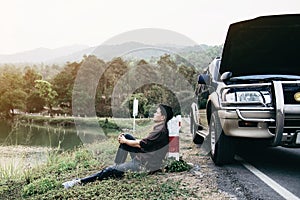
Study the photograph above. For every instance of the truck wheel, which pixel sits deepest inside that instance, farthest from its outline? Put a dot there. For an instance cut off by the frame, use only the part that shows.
(222, 146)
(197, 139)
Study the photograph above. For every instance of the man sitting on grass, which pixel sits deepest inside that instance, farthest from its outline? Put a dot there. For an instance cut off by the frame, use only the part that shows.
(146, 153)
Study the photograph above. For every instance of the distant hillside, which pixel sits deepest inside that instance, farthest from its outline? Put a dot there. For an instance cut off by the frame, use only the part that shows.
(41, 54)
(201, 55)
(198, 55)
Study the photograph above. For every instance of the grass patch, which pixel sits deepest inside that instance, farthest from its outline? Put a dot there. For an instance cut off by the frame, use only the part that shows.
(39, 186)
(9, 171)
(173, 165)
(45, 181)
(137, 187)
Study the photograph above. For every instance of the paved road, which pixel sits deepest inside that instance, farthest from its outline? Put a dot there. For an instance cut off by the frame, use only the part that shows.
(279, 165)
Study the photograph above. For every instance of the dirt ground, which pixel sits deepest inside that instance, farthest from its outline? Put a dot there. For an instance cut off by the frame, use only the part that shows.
(202, 178)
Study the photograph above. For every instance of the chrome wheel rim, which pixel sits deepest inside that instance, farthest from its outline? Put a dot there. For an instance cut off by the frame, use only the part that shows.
(212, 137)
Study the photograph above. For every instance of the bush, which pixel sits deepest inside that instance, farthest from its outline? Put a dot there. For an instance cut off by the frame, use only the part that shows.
(40, 186)
(172, 165)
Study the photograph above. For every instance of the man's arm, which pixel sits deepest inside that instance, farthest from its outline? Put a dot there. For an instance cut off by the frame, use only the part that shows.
(132, 143)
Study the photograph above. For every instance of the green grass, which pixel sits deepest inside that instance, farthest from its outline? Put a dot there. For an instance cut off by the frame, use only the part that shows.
(137, 187)
(45, 181)
(9, 171)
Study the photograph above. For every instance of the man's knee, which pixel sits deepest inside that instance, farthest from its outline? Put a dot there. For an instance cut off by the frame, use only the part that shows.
(112, 172)
(129, 136)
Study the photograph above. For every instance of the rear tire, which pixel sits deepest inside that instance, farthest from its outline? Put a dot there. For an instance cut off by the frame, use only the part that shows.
(197, 139)
(222, 146)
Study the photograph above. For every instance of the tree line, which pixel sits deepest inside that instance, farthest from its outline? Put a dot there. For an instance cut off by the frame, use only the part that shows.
(28, 90)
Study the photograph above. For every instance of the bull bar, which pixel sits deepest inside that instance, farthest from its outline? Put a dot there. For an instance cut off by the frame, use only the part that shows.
(281, 109)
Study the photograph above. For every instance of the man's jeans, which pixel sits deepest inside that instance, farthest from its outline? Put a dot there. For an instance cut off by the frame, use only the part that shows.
(124, 149)
(117, 170)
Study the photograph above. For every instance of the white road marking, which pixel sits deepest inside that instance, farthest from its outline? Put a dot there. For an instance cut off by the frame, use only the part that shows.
(270, 182)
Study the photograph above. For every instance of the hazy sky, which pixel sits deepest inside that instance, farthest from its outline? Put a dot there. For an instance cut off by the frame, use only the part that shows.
(29, 24)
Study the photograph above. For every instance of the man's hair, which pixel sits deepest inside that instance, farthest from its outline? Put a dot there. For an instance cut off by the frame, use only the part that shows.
(166, 111)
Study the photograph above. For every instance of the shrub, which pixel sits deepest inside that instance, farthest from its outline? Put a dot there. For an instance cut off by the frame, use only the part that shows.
(39, 186)
(172, 165)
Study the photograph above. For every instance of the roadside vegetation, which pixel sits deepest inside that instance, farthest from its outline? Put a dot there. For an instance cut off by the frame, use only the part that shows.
(177, 180)
(45, 181)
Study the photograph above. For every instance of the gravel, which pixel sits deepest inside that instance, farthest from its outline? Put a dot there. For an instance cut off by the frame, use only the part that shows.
(205, 179)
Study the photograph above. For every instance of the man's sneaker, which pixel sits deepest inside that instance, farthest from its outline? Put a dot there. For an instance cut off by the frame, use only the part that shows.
(71, 183)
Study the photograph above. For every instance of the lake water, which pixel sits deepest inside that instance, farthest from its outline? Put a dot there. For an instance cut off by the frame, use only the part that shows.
(39, 136)
(28, 145)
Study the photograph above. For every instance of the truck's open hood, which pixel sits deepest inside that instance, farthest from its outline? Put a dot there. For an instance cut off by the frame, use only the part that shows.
(264, 45)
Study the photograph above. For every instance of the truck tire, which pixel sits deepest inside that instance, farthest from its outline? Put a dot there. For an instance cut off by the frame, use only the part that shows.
(197, 139)
(222, 146)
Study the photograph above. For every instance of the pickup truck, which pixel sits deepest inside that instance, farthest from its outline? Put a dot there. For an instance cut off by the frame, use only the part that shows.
(251, 92)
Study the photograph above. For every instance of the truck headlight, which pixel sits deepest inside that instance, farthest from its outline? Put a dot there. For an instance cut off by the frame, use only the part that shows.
(248, 97)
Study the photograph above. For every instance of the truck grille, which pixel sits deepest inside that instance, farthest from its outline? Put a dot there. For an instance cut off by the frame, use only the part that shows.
(290, 126)
(289, 91)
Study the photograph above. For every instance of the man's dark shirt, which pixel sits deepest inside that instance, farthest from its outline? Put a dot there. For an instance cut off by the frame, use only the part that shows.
(155, 147)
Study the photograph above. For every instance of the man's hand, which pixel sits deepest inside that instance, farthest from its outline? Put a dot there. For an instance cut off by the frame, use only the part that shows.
(122, 139)
(132, 143)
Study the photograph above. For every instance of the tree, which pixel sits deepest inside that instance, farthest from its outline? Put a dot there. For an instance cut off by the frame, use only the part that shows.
(46, 92)
(189, 73)
(114, 70)
(85, 86)
(63, 83)
(12, 93)
(11, 100)
(30, 76)
(34, 103)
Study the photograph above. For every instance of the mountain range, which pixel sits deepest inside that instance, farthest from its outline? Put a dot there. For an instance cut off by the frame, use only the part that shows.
(106, 52)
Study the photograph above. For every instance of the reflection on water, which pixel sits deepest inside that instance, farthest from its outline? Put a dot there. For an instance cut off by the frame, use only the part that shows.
(26, 145)
(35, 135)
(65, 138)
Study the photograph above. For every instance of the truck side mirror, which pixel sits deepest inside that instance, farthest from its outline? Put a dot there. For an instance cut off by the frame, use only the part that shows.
(225, 76)
(203, 79)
